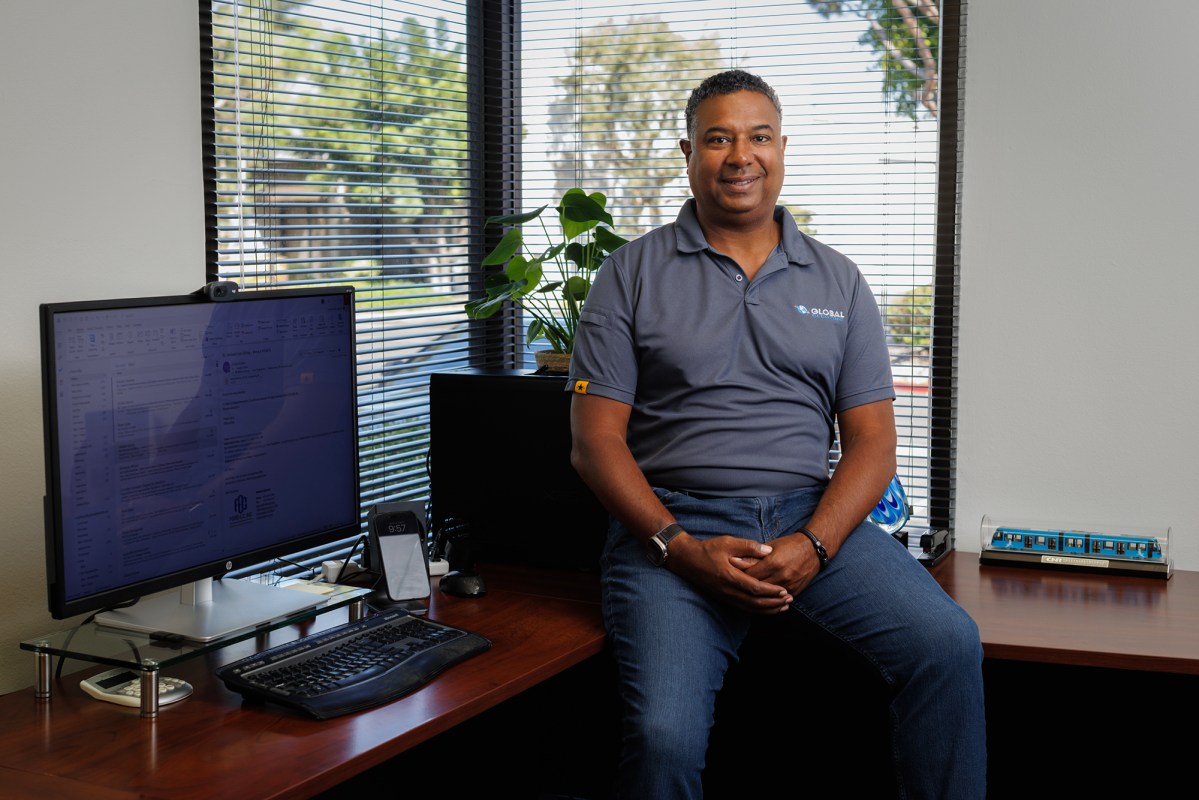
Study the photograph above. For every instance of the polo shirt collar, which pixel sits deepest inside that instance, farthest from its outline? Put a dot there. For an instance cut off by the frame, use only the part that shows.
(689, 238)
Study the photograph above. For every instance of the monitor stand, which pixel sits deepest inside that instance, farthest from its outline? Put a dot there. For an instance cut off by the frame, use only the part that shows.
(207, 610)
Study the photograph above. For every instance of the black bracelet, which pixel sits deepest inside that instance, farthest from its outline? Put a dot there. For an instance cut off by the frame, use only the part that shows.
(821, 553)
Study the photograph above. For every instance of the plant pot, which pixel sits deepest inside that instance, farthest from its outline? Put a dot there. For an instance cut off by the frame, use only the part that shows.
(550, 361)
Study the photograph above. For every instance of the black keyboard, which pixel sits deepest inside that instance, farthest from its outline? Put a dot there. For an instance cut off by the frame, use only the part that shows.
(354, 666)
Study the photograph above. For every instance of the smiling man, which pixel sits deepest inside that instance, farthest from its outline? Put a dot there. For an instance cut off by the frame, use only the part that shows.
(713, 358)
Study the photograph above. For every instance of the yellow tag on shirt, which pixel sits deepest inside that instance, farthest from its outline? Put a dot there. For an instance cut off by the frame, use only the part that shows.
(581, 387)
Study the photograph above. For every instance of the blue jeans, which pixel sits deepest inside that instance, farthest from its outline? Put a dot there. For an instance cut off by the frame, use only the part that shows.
(673, 645)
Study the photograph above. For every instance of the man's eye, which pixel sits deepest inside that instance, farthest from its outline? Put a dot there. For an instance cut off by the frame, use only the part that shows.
(718, 139)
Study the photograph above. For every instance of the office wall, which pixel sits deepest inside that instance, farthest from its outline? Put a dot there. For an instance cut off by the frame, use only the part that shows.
(100, 195)
(1078, 349)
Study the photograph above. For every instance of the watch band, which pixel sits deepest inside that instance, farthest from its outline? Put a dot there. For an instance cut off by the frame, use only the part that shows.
(821, 553)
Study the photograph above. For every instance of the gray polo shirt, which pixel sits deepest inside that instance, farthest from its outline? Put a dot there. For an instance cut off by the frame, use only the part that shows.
(733, 383)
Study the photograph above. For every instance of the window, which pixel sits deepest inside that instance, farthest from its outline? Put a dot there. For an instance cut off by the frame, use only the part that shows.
(336, 150)
(365, 141)
(869, 99)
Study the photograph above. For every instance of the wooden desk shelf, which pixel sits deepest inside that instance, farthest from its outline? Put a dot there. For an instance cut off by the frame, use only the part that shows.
(1079, 619)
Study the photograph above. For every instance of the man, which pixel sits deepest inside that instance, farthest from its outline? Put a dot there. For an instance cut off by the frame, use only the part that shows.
(713, 356)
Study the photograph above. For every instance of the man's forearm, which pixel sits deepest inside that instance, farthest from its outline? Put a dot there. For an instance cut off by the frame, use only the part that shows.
(602, 458)
(866, 467)
(852, 493)
(617, 482)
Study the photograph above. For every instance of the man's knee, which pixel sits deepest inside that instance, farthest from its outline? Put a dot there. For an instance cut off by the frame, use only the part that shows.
(950, 640)
(958, 626)
(667, 739)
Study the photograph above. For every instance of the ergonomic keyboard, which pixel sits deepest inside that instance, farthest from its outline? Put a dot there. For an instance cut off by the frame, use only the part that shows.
(354, 666)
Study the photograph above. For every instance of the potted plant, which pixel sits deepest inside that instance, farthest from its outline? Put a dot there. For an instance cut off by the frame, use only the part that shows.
(551, 287)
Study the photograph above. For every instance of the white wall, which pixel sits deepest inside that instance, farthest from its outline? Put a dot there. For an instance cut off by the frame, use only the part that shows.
(100, 196)
(1079, 376)
(1078, 379)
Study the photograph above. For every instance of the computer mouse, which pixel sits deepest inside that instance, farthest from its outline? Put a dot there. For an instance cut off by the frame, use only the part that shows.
(463, 584)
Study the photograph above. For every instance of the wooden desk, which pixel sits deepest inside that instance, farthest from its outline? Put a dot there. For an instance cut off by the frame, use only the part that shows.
(211, 745)
(1079, 619)
(1080, 664)
(541, 624)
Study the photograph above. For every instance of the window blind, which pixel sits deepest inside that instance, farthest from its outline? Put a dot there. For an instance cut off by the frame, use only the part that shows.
(343, 145)
(336, 145)
(604, 88)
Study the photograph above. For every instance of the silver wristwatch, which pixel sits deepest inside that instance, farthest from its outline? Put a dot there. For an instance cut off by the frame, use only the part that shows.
(655, 546)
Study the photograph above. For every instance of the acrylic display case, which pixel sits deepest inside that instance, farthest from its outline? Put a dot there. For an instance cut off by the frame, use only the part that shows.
(1090, 548)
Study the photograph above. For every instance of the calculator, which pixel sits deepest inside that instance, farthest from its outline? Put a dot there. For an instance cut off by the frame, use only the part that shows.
(124, 687)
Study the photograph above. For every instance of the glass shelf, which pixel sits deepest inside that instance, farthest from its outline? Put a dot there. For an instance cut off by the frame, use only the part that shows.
(138, 652)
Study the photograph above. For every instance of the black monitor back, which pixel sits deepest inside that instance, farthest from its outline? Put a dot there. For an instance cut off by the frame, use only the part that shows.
(500, 470)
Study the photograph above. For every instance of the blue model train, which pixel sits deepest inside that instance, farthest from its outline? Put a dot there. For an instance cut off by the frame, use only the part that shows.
(1096, 545)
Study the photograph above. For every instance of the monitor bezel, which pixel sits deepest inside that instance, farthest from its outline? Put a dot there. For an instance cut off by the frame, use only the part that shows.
(62, 607)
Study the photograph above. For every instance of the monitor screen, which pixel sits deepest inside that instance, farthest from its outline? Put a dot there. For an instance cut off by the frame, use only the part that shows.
(187, 437)
(500, 472)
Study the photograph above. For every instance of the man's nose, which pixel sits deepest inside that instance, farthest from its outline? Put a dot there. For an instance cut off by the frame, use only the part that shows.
(740, 154)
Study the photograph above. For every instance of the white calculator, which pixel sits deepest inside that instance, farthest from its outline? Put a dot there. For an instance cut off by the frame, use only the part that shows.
(124, 687)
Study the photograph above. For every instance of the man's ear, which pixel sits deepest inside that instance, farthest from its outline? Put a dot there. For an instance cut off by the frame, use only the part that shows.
(685, 146)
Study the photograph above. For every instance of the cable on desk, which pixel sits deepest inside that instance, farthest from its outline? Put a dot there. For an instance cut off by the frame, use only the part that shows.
(73, 631)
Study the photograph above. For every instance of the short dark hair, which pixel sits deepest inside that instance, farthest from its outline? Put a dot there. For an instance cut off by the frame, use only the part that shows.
(733, 80)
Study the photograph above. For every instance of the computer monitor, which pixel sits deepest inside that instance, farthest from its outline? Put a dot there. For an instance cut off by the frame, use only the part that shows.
(187, 437)
(500, 472)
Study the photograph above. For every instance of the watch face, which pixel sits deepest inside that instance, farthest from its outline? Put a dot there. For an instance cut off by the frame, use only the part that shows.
(656, 551)
(656, 546)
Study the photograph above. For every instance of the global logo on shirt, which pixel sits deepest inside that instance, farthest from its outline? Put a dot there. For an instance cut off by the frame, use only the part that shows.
(822, 313)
